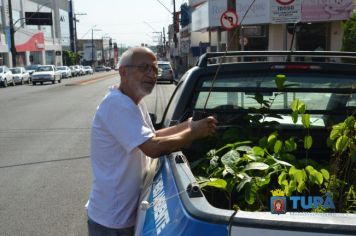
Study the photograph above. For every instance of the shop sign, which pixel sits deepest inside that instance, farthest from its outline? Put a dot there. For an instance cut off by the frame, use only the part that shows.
(259, 12)
(207, 15)
(326, 10)
(285, 11)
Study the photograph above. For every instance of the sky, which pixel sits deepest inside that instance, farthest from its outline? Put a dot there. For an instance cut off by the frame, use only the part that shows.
(127, 22)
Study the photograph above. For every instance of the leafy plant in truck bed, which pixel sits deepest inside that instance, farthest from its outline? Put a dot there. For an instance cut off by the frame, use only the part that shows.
(240, 174)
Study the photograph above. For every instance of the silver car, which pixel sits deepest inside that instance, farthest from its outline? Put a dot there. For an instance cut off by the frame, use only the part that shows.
(167, 73)
(20, 75)
(46, 73)
(6, 76)
(65, 71)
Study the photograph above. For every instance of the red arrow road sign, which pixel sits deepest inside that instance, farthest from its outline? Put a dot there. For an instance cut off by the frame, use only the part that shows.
(229, 19)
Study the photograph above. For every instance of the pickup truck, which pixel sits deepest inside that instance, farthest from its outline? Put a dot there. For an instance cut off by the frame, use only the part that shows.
(270, 169)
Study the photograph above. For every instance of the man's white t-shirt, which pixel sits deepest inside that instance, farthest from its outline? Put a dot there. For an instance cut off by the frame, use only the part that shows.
(118, 165)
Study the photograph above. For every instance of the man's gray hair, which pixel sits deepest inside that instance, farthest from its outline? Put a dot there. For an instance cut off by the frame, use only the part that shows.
(127, 57)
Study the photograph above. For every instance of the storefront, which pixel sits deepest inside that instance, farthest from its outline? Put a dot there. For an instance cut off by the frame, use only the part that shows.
(266, 25)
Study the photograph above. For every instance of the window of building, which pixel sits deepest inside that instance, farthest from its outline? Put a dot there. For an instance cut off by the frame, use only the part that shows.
(316, 35)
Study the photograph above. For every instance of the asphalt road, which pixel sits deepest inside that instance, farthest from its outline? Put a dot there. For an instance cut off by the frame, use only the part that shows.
(45, 170)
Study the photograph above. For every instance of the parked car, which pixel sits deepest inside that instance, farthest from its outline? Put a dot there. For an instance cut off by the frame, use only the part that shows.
(65, 71)
(167, 74)
(73, 71)
(6, 76)
(88, 70)
(100, 68)
(20, 75)
(268, 109)
(81, 68)
(31, 68)
(78, 70)
(46, 73)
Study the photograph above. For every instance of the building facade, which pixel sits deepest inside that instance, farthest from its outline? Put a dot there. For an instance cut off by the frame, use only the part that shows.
(97, 51)
(265, 25)
(35, 44)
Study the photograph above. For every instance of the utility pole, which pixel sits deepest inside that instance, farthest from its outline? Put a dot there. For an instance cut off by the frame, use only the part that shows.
(71, 27)
(92, 47)
(164, 43)
(75, 28)
(92, 44)
(175, 24)
(12, 36)
(232, 43)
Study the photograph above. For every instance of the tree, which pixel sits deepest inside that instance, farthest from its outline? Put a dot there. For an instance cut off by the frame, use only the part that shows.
(349, 39)
(70, 58)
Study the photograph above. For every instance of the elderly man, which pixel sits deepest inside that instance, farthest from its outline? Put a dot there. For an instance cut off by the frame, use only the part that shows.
(122, 142)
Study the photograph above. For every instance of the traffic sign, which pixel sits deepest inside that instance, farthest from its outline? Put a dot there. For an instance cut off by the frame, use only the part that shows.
(229, 20)
(285, 2)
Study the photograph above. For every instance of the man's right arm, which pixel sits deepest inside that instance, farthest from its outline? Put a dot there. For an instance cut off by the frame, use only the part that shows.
(170, 142)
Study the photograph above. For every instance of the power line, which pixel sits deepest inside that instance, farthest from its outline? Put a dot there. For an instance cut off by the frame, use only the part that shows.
(164, 6)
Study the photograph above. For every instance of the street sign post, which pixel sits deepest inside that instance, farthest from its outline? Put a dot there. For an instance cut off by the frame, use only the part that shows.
(229, 20)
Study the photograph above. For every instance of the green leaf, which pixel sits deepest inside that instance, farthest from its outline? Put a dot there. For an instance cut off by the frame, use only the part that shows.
(258, 151)
(292, 185)
(294, 105)
(230, 160)
(250, 193)
(282, 176)
(301, 108)
(244, 148)
(214, 162)
(272, 139)
(279, 80)
(337, 131)
(314, 176)
(342, 143)
(325, 174)
(259, 98)
(262, 181)
(350, 121)
(294, 117)
(301, 186)
(306, 120)
(217, 183)
(252, 157)
(263, 142)
(283, 163)
(277, 146)
(242, 183)
(308, 142)
(290, 145)
(256, 166)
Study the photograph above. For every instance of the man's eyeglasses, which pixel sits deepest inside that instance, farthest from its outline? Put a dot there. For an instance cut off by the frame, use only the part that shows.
(146, 68)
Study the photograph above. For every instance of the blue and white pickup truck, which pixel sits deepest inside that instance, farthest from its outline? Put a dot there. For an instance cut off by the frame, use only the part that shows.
(186, 193)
